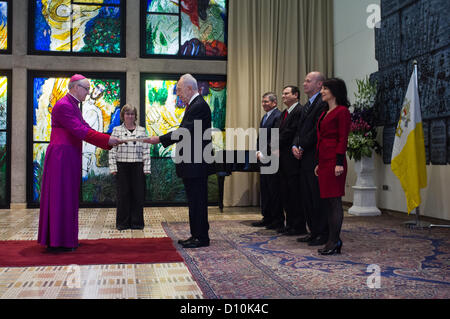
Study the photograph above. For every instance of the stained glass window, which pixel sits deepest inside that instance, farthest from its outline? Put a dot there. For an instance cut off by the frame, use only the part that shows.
(194, 28)
(4, 140)
(5, 26)
(101, 110)
(89, 27)
(163, 113)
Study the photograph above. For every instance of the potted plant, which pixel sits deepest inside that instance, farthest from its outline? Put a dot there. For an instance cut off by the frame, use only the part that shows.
(361, 145)
(362, 138)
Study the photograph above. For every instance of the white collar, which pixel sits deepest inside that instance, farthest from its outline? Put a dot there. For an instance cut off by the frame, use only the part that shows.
(292, 107)
(74, 97)
(193, 97)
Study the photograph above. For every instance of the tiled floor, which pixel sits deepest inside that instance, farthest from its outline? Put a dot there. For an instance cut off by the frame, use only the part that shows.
(156, 281)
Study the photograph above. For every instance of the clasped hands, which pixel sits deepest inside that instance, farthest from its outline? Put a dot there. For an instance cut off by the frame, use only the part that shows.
(298, 153)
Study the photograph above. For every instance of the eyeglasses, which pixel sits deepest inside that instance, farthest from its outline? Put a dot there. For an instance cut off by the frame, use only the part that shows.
(86, 88)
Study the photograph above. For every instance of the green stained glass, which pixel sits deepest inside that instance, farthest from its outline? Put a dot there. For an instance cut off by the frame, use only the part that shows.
(162, 6)
(162, 32)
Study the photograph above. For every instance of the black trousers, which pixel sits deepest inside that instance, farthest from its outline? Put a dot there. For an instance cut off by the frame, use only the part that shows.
(130, 195)
(315, 208)
(271, 205)
(197, 196)
(290, 191)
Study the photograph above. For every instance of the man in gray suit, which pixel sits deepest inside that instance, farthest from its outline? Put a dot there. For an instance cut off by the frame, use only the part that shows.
(271, 207)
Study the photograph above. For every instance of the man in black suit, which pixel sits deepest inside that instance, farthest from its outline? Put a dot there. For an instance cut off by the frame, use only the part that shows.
(190, 162)
(289, 165)
(304, 149)
(271, 207)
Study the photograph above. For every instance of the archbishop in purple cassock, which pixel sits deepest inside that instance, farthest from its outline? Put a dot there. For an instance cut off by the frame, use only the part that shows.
(58, 219)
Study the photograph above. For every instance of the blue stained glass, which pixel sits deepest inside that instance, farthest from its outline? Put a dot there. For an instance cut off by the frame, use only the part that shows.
(37, 89)
(42, 30)
(3, 13)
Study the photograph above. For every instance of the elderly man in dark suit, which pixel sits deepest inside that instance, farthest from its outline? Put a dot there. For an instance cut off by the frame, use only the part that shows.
(289, 165)
(190, 162)
(271, 207)
(304, 149)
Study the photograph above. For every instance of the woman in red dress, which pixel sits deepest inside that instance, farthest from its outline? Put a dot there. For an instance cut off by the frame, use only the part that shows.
(333, 128)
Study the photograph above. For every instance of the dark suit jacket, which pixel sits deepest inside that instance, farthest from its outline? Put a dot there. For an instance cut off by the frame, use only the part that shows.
(270, 123)
(197, 110)
(288, 127)
(306, 135)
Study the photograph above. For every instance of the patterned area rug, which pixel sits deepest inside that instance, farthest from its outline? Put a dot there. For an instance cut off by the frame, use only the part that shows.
(247, 262)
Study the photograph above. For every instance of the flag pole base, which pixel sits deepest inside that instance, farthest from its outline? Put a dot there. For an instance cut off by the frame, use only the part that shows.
(416, 224)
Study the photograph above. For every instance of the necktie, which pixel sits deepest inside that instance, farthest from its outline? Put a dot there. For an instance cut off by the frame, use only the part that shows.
(285, 115)
(264, 120)
(307, 106)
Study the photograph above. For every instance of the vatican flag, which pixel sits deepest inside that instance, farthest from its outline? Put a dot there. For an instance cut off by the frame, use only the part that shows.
(408, 155)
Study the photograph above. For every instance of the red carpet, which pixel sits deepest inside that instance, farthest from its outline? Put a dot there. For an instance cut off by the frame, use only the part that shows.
(91, 252)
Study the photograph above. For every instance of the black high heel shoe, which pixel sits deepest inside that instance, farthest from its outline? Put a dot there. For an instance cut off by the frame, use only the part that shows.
(335, 250)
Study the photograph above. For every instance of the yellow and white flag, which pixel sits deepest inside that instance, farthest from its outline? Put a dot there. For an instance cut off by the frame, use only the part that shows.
(408, 155)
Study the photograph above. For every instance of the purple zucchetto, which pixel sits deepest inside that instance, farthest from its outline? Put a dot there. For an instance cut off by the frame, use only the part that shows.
(77, 77)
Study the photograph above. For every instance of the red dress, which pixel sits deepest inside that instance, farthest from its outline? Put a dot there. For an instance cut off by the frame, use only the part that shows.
(332, 137)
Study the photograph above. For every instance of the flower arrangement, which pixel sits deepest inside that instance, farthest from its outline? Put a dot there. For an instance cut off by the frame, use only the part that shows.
(362, 138)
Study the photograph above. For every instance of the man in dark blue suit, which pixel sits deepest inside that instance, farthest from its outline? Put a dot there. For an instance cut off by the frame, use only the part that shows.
(304, 149)
(190, 162)
(271, 207)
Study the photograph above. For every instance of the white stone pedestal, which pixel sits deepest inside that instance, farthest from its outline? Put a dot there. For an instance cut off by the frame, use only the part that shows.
(364, 192)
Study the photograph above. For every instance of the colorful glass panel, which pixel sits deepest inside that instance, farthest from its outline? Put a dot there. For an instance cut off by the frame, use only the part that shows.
(202, 32)
(162, 34)
(3, 25)
(164, 111)
(72, 26)
(101, 110)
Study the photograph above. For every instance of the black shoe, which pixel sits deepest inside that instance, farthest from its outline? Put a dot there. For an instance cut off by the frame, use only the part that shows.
(182, 242)
(318, 241)
(282, 230)
(196, 243)
(120, 228)
(333, 250)
(261, 223)
(137, 227)
(308, 238)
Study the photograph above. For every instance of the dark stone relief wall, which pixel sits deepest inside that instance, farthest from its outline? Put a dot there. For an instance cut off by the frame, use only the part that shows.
(415, 30)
